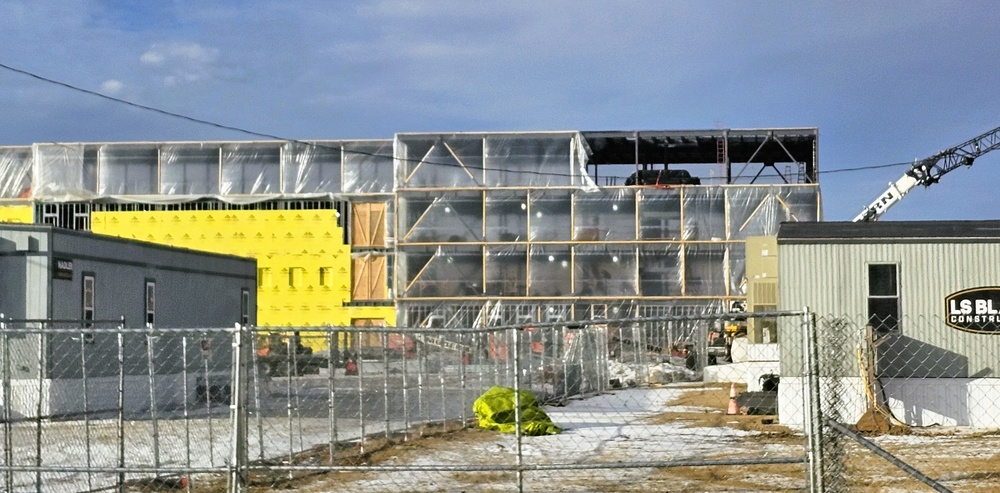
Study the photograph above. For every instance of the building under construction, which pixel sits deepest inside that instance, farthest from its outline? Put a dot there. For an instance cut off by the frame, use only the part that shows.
(445, 229)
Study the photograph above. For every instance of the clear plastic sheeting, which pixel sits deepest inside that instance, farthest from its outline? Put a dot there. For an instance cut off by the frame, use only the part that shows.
(705, 269)
(586, 244)
(454, 161)
(368, 166)
(189, 169)
(15, 173)
(311, 168)
(704, 213)
(549, 216)
(605, 270)
(178, 172)
(605, 215)
(551, 271)
(455, 218)
(64, 172)
(251, 169)
(506, 216)
(492, 160)
(737, 255)
(507, 270)
(445, 271)
(758, 210)
(534, 161)
(660, 272)
(660, 214)
(128, 170)
(613, 270)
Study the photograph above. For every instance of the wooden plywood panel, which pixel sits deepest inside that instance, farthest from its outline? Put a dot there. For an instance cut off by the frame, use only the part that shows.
(369, 278)
(368, 224)
(360, 287)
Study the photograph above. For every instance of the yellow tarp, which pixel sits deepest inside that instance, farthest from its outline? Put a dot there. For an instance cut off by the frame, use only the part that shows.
(495, 410)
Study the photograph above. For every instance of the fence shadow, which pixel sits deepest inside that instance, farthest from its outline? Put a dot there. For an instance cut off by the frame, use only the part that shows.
(913, 373)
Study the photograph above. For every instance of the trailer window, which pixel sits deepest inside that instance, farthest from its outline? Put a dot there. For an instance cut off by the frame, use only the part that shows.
(88, 298)
(150, 302)
(245, 307)
(883, 297)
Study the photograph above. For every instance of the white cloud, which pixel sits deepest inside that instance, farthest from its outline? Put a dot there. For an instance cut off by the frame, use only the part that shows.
(179, 52)
(180, 62)
(112, 86)
(151, 58)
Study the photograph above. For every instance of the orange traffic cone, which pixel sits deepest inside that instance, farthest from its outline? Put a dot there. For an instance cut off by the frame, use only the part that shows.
(733, 408)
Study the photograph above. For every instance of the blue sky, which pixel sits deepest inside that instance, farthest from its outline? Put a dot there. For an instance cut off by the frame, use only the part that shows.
(884, 82)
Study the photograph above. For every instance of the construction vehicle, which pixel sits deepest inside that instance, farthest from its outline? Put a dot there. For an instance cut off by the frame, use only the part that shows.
(720, 341)
(929, 170)
(662, 178)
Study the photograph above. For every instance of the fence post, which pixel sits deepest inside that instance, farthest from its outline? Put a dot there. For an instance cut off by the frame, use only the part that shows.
(517, 408)
(39, 408)
(151, 366)
(466, 353)
(813, 415)
(239, 461)
(406, 385)
(331, 366)
(86, 408)
(206, 354)
(121, 405)
(255, 369)
(187, 398)
(8, 442)
(385, 383)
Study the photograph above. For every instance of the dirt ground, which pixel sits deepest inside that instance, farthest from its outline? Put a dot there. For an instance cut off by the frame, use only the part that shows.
(962, 460)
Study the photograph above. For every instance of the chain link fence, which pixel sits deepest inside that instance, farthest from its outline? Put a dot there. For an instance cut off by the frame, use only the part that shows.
(92, 406)
(909, 404)
(390, 410)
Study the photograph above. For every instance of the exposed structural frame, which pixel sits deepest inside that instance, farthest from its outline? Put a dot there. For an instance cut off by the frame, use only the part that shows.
(752, 151)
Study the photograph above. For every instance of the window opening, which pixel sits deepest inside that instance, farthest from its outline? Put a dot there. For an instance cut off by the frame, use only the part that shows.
(245, 307)
(883, 298)
(88, 298)
(150, 303)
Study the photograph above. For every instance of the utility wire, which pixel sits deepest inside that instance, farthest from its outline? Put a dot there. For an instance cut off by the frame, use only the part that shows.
(323, 146)
(243, 130)
(863, 168)
(137, 105)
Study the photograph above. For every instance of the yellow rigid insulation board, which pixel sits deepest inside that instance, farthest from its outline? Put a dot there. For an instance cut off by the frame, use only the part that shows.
(303, 266)
(24, 214)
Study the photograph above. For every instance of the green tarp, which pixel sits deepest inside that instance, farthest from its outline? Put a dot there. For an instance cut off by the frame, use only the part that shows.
(495, 410)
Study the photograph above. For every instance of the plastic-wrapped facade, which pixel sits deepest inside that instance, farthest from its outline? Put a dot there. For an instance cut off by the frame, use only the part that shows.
(477, 228)
(541, 220)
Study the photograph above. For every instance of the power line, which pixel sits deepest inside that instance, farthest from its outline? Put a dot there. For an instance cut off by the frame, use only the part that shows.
(243, 130)
(323, 146)
(137, 105)
(863, 168)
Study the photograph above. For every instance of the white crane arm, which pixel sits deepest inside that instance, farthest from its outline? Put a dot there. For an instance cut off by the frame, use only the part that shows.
(929, 170)
(887, 199)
